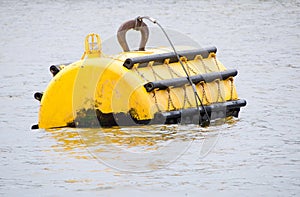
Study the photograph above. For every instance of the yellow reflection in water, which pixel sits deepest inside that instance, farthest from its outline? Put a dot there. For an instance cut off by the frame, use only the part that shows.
(143, 137)
(148, 138)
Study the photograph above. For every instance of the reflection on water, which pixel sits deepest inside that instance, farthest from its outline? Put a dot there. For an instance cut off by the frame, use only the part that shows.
(133, 149)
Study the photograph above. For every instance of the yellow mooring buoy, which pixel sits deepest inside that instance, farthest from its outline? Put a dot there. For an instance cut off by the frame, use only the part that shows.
(159, 85)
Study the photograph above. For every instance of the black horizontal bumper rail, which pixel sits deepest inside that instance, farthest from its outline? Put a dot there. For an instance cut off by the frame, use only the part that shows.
(228, 108)
(160, 58)
(178, 82)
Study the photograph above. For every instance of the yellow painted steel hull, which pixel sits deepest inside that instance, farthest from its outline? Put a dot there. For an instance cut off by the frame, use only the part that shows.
(99, 90)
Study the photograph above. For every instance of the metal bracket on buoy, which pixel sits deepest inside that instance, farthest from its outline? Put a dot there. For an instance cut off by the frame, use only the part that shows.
(92, 46)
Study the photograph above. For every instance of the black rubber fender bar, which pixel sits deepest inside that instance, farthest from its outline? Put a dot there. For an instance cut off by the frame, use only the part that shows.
(228, 108)
(160, 58)
(178, 82)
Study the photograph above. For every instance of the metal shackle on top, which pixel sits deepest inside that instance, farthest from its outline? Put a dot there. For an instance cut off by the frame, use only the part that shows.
(135, 24)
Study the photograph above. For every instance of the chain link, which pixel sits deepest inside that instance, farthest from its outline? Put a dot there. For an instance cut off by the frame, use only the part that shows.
(140, 74)
(219, 91)
(190, 69)
(231, 87)
(155, 73)
(170, 100)
(154, 95)
(214, 56)
(186, 98)
(171, 70)
(203, 64)
(203, 92)
(155, 100)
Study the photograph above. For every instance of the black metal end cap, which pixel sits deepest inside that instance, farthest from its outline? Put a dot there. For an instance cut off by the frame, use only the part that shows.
(149, 87)
(54, 70)
(38, 96)
(128, 63)
(35, 126)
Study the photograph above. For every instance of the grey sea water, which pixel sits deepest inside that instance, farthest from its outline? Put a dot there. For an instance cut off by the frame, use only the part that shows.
(256, 155)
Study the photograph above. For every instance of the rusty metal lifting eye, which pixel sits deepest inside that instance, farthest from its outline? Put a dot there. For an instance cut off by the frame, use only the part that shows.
(138, 25)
